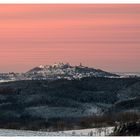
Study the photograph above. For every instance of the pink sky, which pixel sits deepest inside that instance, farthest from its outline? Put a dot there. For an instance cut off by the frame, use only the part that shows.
(100, 36)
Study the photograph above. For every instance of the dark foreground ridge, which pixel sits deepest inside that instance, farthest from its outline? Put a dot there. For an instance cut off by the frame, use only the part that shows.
(69, 104)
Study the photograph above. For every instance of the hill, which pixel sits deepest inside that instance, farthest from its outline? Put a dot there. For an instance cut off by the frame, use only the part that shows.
(33, 102)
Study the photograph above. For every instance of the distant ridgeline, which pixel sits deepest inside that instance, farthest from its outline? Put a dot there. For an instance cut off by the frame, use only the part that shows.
(57, 71)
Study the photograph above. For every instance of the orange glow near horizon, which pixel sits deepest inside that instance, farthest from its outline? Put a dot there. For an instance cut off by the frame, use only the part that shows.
(101, 36)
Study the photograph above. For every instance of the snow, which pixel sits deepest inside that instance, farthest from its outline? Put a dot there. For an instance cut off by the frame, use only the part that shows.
(3, 81)
(41, 66)
(83, 132)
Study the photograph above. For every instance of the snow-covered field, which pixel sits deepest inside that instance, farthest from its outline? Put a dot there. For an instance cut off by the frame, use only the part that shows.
(83, 132)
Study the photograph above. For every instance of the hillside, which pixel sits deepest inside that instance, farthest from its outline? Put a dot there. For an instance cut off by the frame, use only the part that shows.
(28, 104)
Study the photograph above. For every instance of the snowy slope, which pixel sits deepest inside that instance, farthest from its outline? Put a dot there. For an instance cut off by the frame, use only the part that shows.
(83, 132)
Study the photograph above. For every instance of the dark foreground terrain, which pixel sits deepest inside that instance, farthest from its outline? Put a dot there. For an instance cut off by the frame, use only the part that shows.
(127, 129)
(69, 104)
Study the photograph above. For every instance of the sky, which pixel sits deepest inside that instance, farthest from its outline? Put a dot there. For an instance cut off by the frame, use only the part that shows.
(100, 36)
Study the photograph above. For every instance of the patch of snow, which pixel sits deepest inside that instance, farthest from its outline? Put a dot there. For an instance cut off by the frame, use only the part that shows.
(3, 81)
(105, 131)
(41, 66)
